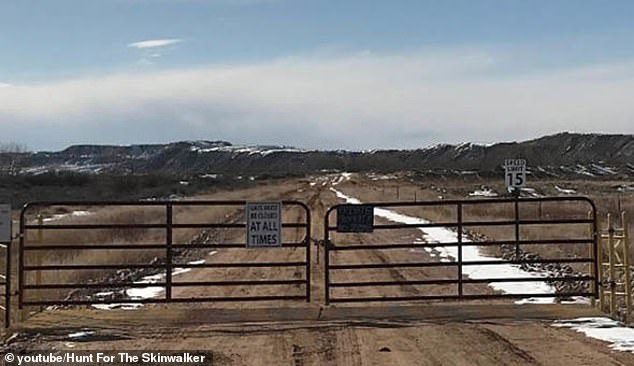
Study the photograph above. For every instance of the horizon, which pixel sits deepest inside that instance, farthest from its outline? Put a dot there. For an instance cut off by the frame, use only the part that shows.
(302, 149)
(353, 76)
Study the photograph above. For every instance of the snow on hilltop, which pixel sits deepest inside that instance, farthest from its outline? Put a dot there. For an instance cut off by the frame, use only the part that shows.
(561, 155)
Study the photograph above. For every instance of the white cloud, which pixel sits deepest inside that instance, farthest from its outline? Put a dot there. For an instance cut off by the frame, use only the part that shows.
(359, 101)
(154, 43)
(4, 85)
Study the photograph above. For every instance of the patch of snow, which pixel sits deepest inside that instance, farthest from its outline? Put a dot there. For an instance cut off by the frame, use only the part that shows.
(375, 177)
(209, 176)
(603, 170)
(183, 183)
(583, 171)
(80, 334)
(464, 146)
(312, 184)
(72, 167)
(532, 192)
(341, 178)
(484, 192)
(179, 271)
(469, 253)
(604, 329)
(625, 188)
(141, 293)
(11, 338)
(565, 190)
(273, 151)
(61, 216)
(117, 306)
(251, 150)
(104, 294)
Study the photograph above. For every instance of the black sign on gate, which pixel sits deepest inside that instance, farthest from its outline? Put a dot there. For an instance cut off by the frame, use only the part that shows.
(355, 218)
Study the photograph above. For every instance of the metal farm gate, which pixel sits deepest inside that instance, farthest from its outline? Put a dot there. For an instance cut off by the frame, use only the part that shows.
(363, 248)
(100, 253)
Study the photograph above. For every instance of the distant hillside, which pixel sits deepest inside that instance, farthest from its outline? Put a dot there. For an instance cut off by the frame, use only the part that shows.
(564, 154)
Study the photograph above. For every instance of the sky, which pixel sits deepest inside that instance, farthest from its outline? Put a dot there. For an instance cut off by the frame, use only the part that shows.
(344, 74)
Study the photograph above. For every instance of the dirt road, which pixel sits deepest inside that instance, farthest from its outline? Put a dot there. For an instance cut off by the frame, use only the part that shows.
(300, 333)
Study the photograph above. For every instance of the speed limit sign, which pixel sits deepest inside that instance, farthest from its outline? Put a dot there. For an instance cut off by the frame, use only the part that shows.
(515, 173)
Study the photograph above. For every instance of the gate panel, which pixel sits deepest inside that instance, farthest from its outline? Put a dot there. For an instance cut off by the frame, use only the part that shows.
(524, 222)
(123, 247)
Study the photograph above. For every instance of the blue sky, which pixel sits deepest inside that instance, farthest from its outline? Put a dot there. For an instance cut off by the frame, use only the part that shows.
(317, 74)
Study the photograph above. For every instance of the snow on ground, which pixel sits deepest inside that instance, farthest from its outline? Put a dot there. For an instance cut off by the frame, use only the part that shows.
(583, 171)
(565, 190)
(79, 335)
(625, 188)
(373, 176)
(61, 216)
(484, 192)
(251, 150)
(71, 167)
(209, 176)
(603, 170)
(532, 192)
(341, 178)
(149, 292)
(605, 329)
(470, 253)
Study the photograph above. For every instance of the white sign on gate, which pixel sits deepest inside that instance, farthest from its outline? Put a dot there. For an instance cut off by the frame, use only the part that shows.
(5, 223)
(264, 224)
(514, 173)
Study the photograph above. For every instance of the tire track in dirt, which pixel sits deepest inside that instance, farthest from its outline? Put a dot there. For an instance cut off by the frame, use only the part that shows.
(489, 335)
(263, 255)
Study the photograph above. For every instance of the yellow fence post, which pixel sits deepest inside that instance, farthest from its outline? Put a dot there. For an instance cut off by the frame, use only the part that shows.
(40, 242)
(593, 302)
(601, 274)
(612, 272)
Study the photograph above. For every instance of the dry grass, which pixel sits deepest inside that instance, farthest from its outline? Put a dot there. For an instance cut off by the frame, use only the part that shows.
(603, 193)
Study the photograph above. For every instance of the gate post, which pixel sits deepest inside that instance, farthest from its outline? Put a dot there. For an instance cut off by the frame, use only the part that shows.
(626, 266)
(308, 256)
(22, 313)
(611, 270)
(591, 266)
(327, 258)
(40, 242)
(7, 286)
(169, 254)
(459, 213)
(517, 226)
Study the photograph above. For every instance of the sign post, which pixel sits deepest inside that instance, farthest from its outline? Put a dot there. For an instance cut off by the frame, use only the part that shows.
(5, 242)
(5, 223)
(515, 175)
(264, 224)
